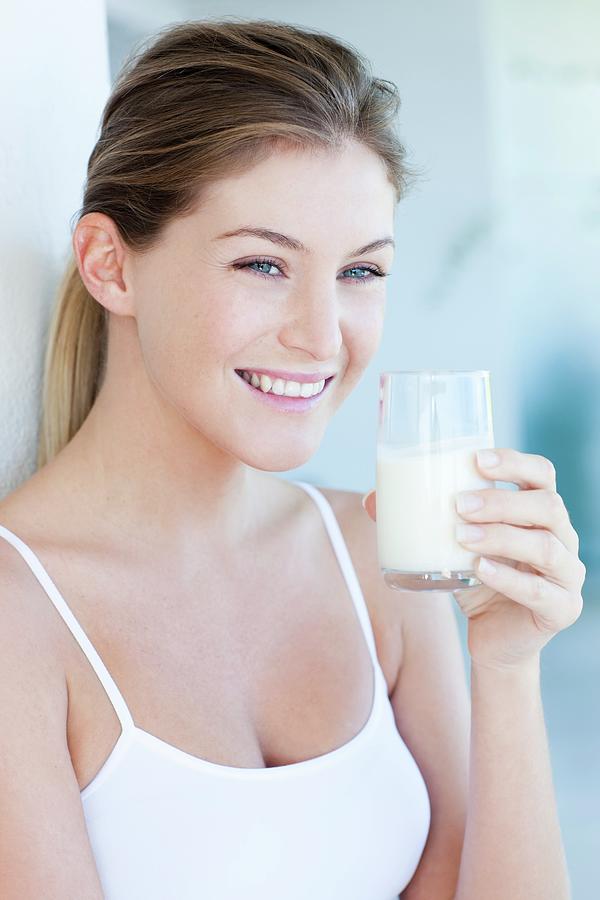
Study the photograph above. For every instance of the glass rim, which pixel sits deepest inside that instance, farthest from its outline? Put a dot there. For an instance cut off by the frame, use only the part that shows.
(435, 371)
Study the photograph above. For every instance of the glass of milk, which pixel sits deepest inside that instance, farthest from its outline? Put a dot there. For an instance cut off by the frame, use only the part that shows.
(431, 422)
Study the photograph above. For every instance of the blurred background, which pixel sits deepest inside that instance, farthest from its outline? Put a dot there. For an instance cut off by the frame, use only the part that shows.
(497, 261)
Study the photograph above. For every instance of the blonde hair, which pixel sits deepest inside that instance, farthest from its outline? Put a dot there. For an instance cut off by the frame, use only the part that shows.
(204, 100)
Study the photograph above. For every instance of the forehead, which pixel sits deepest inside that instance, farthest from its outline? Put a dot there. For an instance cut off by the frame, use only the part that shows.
(346, 189)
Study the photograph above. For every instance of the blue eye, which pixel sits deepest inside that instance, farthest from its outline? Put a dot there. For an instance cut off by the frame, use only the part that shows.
(371, 271)
(268, 263)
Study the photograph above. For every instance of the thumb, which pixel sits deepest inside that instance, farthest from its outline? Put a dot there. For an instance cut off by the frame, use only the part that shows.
(370, 505)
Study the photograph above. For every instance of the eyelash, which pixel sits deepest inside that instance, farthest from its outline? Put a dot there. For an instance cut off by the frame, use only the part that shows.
(374, 270)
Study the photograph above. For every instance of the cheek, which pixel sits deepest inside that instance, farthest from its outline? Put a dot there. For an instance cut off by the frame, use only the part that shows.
(166, 350)
(176, 340)
(363, 333)
(187, 342)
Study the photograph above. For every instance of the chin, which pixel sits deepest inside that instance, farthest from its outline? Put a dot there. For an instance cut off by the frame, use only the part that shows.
(279, 458)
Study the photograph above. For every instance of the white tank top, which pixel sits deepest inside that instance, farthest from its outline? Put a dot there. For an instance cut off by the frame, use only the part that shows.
(350, 824)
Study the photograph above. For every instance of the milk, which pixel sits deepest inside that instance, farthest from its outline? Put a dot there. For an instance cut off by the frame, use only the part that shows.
(416, 513)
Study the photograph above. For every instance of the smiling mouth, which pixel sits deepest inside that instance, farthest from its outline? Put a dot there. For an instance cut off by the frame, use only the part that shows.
(285, 402)
(270, 393)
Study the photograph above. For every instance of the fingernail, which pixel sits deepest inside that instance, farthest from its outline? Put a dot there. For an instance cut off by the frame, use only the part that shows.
(485, 566)
(364, 499)
(487, 459)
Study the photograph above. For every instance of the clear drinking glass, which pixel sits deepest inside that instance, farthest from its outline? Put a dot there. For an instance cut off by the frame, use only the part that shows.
(431, 422)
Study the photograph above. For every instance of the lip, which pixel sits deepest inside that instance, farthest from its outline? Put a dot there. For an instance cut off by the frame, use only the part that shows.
(313, 377)
(283, 403)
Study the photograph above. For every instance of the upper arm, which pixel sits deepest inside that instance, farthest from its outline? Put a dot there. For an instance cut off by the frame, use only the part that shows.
(44, 846)
(430, 699)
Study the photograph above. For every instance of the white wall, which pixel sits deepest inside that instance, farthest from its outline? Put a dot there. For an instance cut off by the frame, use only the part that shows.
(54, 81)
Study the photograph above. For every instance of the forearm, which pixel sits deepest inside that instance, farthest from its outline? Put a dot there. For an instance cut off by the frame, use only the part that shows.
(513, 845)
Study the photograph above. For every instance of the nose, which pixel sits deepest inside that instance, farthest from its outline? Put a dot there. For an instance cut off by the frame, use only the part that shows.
(312, 322)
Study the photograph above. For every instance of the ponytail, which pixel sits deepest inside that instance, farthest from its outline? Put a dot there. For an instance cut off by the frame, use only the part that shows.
(74, 364)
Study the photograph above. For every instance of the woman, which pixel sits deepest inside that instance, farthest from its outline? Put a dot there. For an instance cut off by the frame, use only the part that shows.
(223, 698)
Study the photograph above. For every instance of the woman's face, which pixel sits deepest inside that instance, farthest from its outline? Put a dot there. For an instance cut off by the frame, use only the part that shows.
(207, 304)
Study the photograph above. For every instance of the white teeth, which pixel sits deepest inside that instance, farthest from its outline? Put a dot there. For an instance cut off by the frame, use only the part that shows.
(281, 387)
(292, 389)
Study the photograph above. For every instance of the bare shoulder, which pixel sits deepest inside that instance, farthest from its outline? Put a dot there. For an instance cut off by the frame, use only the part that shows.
(25, 605)
(41, 816)
(384, 608)
(28, 638)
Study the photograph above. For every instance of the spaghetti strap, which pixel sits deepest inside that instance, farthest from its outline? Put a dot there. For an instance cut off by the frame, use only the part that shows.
(346, 565)
(114, 695)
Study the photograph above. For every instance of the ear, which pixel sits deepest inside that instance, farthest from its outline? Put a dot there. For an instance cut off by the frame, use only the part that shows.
(370, 504)
(103, 263)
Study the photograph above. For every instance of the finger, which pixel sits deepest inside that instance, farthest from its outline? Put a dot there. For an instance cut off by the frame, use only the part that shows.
(533, 508)
(554, 607)
(538, 548)
(528, 470)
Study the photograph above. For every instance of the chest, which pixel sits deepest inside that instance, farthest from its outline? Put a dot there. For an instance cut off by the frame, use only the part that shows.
(265, 667)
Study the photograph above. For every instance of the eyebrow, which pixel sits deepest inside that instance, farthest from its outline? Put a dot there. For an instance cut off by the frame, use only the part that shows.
(294, 244)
